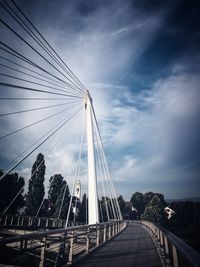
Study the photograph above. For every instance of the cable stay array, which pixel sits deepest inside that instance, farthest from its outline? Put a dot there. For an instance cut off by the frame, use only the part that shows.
(42, 107)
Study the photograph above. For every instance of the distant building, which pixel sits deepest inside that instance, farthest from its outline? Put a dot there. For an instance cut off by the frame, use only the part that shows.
(78, 190)
(76, 198)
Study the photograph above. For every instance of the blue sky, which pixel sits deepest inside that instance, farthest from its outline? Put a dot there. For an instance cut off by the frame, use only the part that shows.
(140, 61)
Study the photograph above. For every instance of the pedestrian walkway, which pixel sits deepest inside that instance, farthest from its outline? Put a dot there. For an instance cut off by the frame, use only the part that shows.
(132, 247)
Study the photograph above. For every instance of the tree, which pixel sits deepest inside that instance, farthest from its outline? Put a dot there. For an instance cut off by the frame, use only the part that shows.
(147, 197)
(154, 212)
(142, 201)
(104, 208)
(122, 205)
(56, 182)
(82, 210)
(36, 186)
(62, 203)
(10, 186)
(137, 201)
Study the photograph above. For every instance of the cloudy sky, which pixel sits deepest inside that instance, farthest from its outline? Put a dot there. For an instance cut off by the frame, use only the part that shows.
(140, 61)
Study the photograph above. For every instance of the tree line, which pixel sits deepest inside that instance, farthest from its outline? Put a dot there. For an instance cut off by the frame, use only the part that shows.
(149, 206)
(56, 205)
(33, 203)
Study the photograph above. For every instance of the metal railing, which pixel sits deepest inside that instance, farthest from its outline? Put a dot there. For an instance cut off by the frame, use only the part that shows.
(56, 247)
(173, 251)
(27, 222)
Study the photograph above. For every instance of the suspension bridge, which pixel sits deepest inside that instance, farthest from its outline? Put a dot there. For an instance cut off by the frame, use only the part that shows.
(45, 106)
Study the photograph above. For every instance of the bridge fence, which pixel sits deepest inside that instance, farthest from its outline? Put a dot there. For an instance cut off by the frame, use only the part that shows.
(173, 251)
(56, 247)
(14, 221)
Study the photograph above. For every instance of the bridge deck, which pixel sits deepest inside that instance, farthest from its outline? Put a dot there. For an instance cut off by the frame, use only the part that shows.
(132, 247)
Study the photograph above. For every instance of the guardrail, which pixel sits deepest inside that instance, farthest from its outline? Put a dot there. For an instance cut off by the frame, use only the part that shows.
(56, 247)
(173, 251)
(26, 222)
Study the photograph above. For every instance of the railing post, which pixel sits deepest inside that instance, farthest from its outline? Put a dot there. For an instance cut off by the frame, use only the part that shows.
(22, 221)
(104, 233)
(42, 254)
(5, 222)
(11, 222)
(109, 231)
(175, 256)
(87, 242)
(39, 222)
(115, 228)
(97, 239)
(61, 254)
(120, 226)
(161, 238)
(18, 220)
(71, 244)
(166, 251)
(112, 232)
(157, 234)
(64, 245)
(166, 245)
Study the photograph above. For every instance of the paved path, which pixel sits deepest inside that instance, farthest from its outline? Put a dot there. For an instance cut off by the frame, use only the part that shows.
(132, 247)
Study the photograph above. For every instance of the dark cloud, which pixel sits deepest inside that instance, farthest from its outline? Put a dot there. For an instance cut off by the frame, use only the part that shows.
(87, 7)
(150, 6)
(179, 34)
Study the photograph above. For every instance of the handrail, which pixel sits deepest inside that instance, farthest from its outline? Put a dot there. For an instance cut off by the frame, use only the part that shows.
(13, 221)
(174, 250)
(49, 232)
(184, 248)
(59, 246)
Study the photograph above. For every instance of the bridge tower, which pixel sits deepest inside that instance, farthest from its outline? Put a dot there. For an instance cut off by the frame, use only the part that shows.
(93, 210)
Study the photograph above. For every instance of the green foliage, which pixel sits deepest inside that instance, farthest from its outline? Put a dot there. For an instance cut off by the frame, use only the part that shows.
(147, 197)
(148, 205)
(56, 182)
(64, 197)
(82, 210)
(104, 216)
(10, 185)
(137, 201)
(106, 207)
(122, 205)
(36, 186)
(154, 212)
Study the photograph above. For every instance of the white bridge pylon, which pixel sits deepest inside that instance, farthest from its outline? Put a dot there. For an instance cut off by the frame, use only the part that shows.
(49, 79)
(93, 210)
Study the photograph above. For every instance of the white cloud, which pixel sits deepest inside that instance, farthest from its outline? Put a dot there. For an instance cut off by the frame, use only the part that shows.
(172, 104)
(143, 128)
